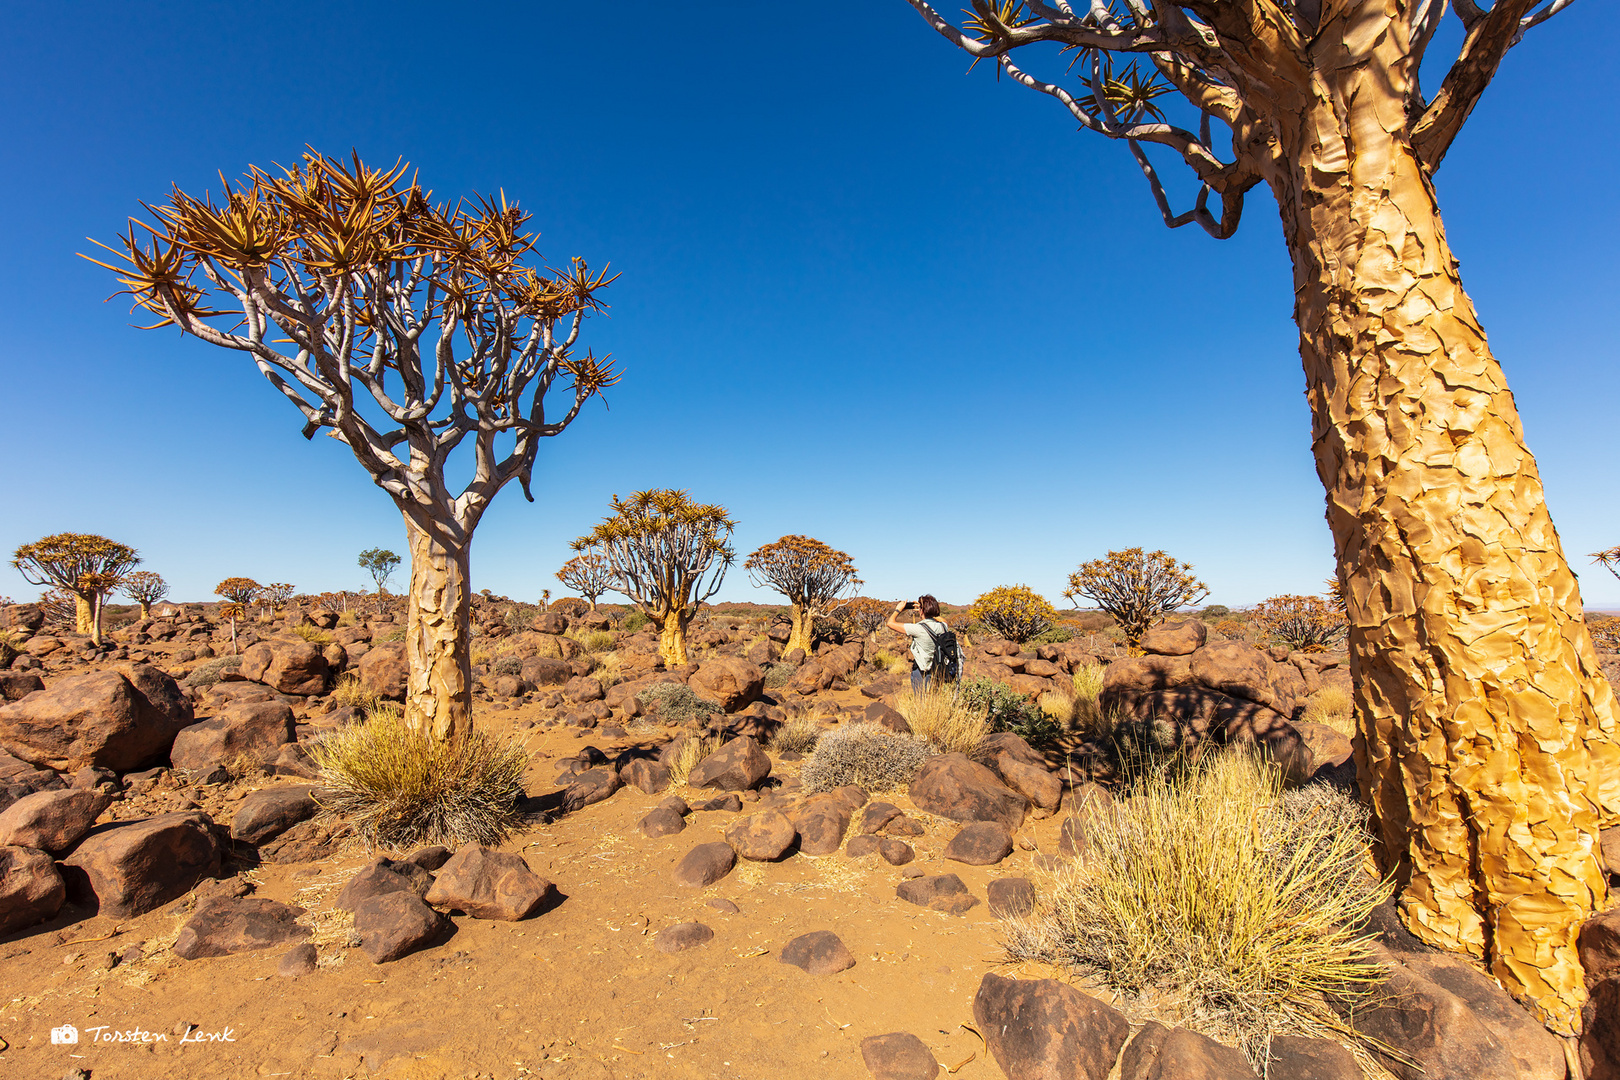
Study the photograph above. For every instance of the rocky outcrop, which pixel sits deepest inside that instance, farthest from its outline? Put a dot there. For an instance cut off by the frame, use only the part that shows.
(292, 667)
(122, 720)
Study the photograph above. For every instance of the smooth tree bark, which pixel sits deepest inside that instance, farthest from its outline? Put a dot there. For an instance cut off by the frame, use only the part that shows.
(407, 331)
(1486, 744)
(810, 574)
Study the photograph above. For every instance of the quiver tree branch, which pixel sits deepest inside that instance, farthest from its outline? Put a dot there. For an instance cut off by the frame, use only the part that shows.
(405, 329)
(1489, 749)
(810, 574)
(668, 555)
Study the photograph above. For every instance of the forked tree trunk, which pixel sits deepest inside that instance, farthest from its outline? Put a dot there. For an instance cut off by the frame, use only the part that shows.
(438, 635)
(672, 638)
(1486, 733)
(84, 616)
(802, 636)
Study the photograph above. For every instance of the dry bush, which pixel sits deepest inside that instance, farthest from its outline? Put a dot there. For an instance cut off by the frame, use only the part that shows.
(207, 673)
(866, 754)
(1605, 631)
(399, 787)
(608, 671)
(693, 750)
(1211, 889)
(597, 641)
(313, 634)
(1334, 707)
(778, 675)
(939, 716)
(800, 734)
(350, 692)
(1059, 707)
(677, 703)
(1306, 623)
(1088, 714)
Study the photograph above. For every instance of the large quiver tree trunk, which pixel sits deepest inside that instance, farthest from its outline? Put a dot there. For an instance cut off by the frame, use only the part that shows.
(1487, 744)
(438, 697)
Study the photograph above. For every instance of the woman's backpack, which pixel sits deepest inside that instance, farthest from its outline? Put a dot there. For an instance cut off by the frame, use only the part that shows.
(947, 657)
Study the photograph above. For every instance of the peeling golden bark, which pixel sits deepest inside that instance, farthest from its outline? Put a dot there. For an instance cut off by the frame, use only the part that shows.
(672, 638)
(84, 616)
(802, 636)
(438, 697)
(1487, 744)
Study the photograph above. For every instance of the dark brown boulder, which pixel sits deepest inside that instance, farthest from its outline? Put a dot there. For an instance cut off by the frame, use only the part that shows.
(52, 821)
(224, 925)
(821, 822)
(1239, 670)
(956, 787)
(899, 1055)
(395, 924)
(385, 671)
(1161, 1053)
(704, 865)
(132, 867)
(1175, 637)
(940, 892)
(582, 688)
(739, 765)
(762, 837)
(660, 821)
(489, 885)
(101, 719)
(1042, 1029)
(895, 852)
(547, 671)
(1294, 1057)
(731, 682)
(645, 775)
(1539, 1054)
(682, 936)
(31, 890)
(269, 812)
(980, 843)
(298, 961)
(877, 815)
(819, 953)
(291, 667)
(590, 787)
(16, 685)
(1011, 896)
(1036, 783)
(255, 729)
(384, 876)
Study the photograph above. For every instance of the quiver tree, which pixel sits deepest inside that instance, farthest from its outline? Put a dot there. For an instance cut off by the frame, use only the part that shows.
(1016, 612)
(1305, 623)
(404, 328)
(810, 574)
(145, 588)
(238, 592)
(668, 555)
(587, 574)
(85, 566)
(275, 596)
(861, 615)
(1137, 588)
(379, 563)
(1488, 749)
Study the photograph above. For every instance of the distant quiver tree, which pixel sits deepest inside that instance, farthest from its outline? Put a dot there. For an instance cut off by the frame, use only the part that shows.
(345, 282)
(84, 565)
(587, 574)
(810, 574)
(1137, 588)
(238, 592)
(380, 564)
(668, 554)
(1490, 755)
(145, 588)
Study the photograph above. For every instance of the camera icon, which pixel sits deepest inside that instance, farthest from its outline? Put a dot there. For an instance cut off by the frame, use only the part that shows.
(66, 1035)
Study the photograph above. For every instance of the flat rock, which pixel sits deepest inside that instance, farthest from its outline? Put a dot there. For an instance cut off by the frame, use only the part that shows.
(1175, 637)
(981, 843)
(1040, 1028)
(940, 892)
(877, 815)
(762, 837)
(590, 787)
(899, 1055)
(395, 924)
(660, 821)
(1294, 1057)
(739, 765)
(132, 867)
(954, 786)
(52, 821)
(859, 847)
(31, 890)
(383, 876)
(704, 865)
(727, 804)
(819, 952)
(1161, 1053)
(488, 885)
(645, 775)
(682, 936)
(1011, 896)
(269, 812)
(224, 925)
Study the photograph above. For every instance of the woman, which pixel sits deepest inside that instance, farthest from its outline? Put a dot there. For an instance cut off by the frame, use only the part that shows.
(933, 644)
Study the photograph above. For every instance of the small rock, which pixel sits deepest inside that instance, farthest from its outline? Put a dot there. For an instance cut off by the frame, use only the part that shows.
(953, 786)
(270, 812)
(982, 843)
(737, 766)
(859, 847)
(683, 936)
(899, 1055)
(877, 815)
(645, 775)
(660, 821)
(31, 890)
(1161, 1053)
(297, 961)
(911, 872)
(1294, 1057)
(225, 925)
(820, 953)
(724, 804)
(489, 885)
(724, 906)
(895, 852)
(675, 804)
(395, 924)
(429, 858)
(1046, 1028)
(704, 865)
(1011, 896)
(822, 822)
(941, 892)
(590, 788)
(383, 876)
(904, 826)
(762, 837)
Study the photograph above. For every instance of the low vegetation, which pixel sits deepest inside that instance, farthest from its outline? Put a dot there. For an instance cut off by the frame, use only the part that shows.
(677, 703)
(1005, 709)
(939, 717)
(799, 735)
(1213, 888)
(1333, 707)
(350, 693)
(313, 634)
(693, 750)
(866, 754)
(207, 673)
(400, 787)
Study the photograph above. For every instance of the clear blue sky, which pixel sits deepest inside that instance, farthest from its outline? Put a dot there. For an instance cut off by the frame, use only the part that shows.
(844, 260)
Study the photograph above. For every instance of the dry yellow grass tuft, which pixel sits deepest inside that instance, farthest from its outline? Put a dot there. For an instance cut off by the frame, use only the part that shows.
(350, 692)
(1333, 707)
(313, 634)
(939, 716)
(693, 750)
(1213, 888)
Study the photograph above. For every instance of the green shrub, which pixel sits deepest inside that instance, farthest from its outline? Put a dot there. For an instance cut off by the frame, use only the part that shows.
(518, 619)
(866, 754)
(1055, 636)
(399, 787)
(1215, 611)
(633, 622)
(506, 665)
(778, 675)
(677, 703)
(1215, 893)
(208, 672)
(1005, 709)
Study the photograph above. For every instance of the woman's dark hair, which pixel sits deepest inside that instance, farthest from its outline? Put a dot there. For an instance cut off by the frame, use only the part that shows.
(928, 606)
